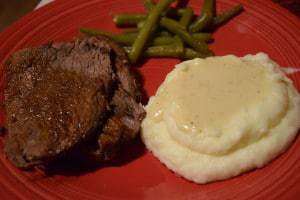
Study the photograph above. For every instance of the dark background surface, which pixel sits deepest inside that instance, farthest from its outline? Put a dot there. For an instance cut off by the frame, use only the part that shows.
(11, 10)
(292, 5)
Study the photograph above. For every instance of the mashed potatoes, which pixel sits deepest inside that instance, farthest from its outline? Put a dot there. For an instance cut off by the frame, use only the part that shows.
(215, 118)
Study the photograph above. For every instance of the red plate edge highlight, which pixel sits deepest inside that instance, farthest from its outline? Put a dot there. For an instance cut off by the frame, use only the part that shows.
(264, 26)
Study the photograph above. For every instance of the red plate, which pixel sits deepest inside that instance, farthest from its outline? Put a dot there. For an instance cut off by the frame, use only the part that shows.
(264, 26)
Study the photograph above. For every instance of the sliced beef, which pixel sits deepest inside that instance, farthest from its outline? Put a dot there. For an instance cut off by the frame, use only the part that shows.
(122, 127)
(127, 78)
(126, 109)
(64, 95)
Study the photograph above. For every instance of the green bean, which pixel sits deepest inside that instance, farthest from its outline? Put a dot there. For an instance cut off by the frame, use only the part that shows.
(164, 51)
(227, 15)
(128, 38)
(134, 19)
(176, 28)
(144, 33)
(191, 54)
(159, 41)
(140, 25)
(123, 38)
(165, 33)
(171, 51)
(186, 17)
(178, 11)
(206, 17)
(179, 43)
(173, 22)
(93, 32)
(162, 40)
(184, 21)
(167, 40)
(188, 52)
(204, 37)
(128, 19)
(149, 4)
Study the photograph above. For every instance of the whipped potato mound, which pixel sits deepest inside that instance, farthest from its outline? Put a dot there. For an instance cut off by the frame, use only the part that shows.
(215, 118)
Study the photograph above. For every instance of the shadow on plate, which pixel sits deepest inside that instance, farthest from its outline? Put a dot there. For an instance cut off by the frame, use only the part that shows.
(67, 167)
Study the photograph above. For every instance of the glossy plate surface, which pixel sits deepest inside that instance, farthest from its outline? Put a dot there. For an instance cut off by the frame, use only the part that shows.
(264, 26)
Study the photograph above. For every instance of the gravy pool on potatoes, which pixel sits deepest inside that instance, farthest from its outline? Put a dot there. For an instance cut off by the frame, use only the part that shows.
(215, 118)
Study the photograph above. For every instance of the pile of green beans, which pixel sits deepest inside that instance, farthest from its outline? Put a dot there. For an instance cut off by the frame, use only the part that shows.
(166, 31)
